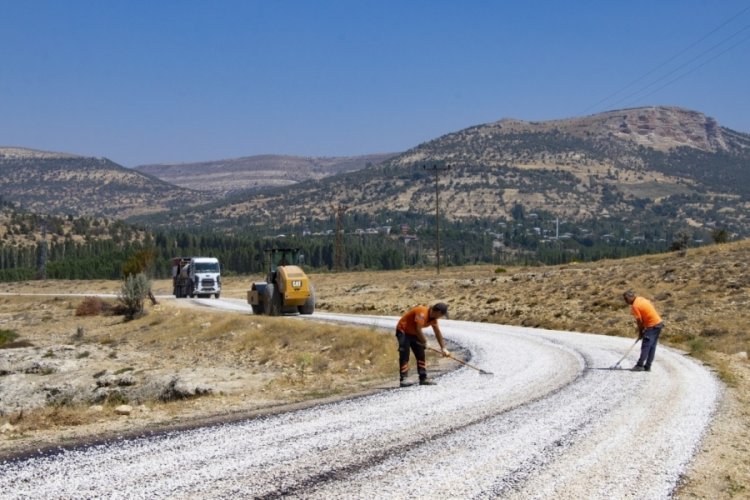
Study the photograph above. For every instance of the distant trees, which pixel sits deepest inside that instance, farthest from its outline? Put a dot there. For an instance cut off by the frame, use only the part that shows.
(140, 262)
(680, 243)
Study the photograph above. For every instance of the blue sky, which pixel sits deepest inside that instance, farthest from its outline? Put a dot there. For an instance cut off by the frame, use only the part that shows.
(180, 81)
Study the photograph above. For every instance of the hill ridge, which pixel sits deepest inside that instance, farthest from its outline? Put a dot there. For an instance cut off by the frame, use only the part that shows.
(656, 170)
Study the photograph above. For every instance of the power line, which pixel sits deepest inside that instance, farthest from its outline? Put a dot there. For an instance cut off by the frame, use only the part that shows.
(696, 68)
(678, 68)
(669, 60)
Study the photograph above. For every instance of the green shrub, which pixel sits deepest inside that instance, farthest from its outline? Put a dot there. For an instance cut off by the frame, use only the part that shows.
(134, 291)
(7, 336)
(697, 346)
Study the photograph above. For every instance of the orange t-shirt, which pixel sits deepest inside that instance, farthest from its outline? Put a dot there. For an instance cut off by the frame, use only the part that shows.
(644, 312)
(418, 315)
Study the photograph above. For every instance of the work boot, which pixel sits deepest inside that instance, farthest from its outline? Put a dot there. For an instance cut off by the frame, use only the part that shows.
(406, 383)
(427, 381)
(638, 368)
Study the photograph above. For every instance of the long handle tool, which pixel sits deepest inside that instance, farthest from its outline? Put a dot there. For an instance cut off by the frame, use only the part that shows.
(617, 365)
(483, 372)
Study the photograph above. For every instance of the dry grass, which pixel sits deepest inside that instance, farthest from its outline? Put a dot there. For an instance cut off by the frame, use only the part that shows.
(702, 295)
(93, 306)
(253, 361)
(54, 416)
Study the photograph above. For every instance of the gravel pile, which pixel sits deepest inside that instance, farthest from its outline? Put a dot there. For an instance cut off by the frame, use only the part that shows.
(553, 421)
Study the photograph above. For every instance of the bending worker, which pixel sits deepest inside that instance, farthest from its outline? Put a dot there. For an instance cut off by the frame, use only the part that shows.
(649, 328)
(410, 336)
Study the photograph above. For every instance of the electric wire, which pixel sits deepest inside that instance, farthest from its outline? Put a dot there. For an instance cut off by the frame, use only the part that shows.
(667, 61)
(687, 63)
(692, 70)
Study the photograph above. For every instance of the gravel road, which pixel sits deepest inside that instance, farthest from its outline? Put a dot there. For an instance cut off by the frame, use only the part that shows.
(553, 422)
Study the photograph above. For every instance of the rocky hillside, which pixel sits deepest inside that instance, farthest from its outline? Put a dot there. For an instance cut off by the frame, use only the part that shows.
(19, 229)
(662, 163)
(602, 163)
(256, 172)
(61, 183)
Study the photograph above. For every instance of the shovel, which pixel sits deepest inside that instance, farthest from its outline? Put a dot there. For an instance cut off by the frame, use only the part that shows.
(616, 366)
(483, 372)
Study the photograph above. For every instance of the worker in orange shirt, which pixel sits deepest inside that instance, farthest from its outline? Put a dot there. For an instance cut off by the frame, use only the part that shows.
(410, 336)
(649, 327)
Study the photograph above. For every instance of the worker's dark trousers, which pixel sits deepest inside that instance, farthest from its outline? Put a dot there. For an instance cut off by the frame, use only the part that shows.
(648, 345)
(406, 342)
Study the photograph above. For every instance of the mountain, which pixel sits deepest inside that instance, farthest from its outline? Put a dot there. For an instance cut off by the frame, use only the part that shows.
(256, 172)
(62, 183)
(642, 166)
(651, 171)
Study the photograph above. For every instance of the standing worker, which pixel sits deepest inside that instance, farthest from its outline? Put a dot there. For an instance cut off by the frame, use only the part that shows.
(410, 336)
(649, 328)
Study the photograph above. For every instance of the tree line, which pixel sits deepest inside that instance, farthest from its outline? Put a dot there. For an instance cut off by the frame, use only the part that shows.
(105, 259)
(86, 248)
(473, 243)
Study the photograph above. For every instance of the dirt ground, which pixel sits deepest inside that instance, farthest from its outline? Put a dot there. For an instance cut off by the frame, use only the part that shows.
(702, 296)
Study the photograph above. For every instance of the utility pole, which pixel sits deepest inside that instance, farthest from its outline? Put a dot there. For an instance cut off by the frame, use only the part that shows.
(437, 170)
(42, 271)
(338, 246)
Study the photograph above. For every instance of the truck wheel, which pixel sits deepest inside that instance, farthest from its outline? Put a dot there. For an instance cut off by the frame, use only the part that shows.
(309, 306)
(257, 309)
(217, 295)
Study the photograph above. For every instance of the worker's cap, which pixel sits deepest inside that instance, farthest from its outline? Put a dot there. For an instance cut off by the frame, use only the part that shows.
(441, 307)
(629, 294)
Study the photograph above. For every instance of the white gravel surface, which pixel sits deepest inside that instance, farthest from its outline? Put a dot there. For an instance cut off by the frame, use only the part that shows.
(553, 422)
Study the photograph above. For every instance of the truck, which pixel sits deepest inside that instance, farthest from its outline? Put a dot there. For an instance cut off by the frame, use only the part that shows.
(196, 276)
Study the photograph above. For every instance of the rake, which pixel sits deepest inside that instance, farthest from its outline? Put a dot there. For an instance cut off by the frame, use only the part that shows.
(616, 366)
(483, 372)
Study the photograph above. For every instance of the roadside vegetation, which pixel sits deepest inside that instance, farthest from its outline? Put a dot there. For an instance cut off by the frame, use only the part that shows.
(241, 363)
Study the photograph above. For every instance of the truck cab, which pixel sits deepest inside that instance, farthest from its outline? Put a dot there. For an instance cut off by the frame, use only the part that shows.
(196, 276)
(205, 274)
